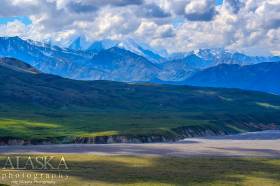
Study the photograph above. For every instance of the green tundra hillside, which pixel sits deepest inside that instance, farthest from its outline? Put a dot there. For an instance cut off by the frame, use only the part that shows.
(40, 107)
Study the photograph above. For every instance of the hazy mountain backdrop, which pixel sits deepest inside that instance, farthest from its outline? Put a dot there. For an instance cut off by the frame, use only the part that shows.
(130, 61)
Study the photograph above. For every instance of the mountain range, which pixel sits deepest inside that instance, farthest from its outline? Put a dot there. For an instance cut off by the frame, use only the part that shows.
(43, 107)
(142, 49)
(260, 77)
(131, 61)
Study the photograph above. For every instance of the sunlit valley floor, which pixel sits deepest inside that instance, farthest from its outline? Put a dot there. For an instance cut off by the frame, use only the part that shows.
(245, 159)
(160, 171)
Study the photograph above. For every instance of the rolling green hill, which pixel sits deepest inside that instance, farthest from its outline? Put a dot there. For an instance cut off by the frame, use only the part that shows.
(40, 107)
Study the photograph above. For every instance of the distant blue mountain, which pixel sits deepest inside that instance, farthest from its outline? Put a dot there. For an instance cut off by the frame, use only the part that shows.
(46, 58)
(128, 44)
(131, 45)
(79, 43)
(76, 44)
(101, 45)
(222, 56)
(126, 61)
(260, 77)
(184, 65)
(111, 64)
(121, 65)
(143, 50)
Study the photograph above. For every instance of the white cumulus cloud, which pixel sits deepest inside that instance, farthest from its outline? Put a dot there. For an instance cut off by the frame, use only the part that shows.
(250, 26)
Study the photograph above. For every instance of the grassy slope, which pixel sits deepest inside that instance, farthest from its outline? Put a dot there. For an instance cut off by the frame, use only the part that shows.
(155, 171)
(43, 106)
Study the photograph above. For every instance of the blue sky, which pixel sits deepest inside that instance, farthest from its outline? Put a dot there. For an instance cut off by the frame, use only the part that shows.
(23, 19)
(219, 2)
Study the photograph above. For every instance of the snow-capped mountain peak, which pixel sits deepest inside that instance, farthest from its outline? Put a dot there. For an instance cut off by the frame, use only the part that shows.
(79, 43)
(143, 49)
(100, 45)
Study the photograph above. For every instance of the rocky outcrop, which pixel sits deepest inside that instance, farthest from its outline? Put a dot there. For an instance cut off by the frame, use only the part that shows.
(180, 133)
(123, 139)
(197, 131)
(13, 141)
(262, 126)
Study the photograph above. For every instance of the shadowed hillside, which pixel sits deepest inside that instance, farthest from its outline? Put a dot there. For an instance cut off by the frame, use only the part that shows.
(41, 106)
(261, 77)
